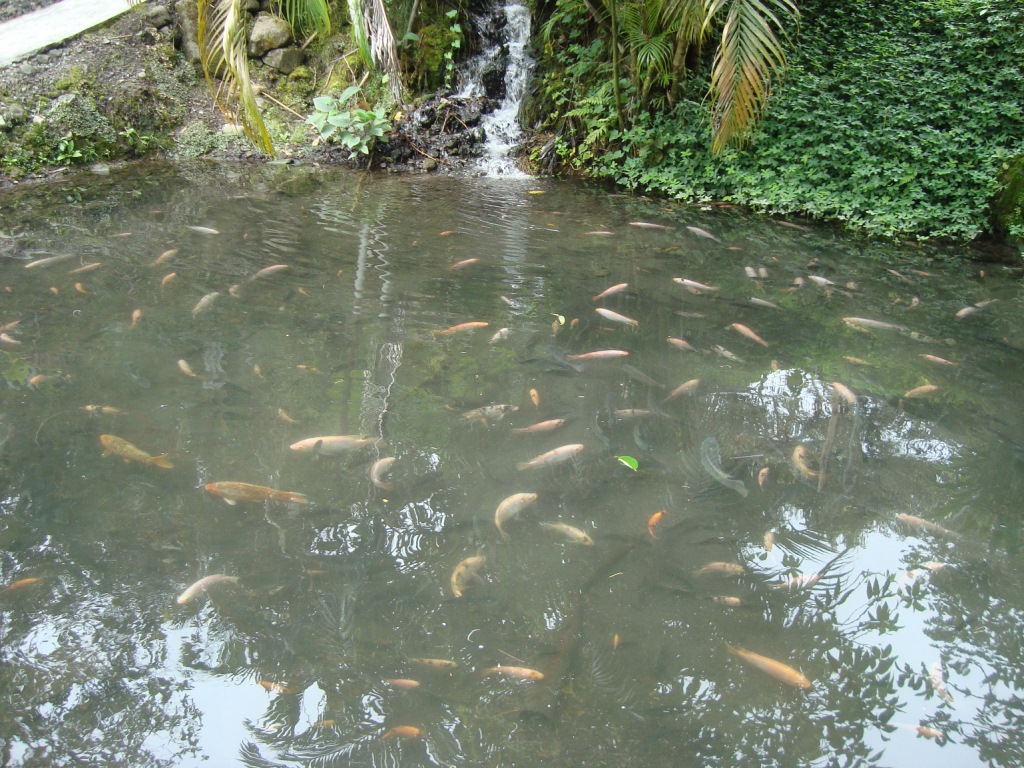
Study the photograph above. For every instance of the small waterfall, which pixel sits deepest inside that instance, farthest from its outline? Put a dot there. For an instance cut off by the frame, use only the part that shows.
(501, 127)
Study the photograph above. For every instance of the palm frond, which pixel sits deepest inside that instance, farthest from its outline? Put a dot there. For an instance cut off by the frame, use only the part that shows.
(359, 34)
(749, 55)
(306, 15)
(224, 53)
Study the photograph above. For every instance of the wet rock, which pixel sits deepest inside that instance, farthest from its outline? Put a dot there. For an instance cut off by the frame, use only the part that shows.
(187, 14)
(156, 15)
(492, 77)
(269, 32)
(285, 60)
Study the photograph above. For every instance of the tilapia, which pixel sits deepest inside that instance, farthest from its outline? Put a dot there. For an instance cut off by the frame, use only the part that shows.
(711, 460)
(553, 457)
(204, 584)
(467, 574)
(781, 672)
(331, 445)
(510, 508)
(118, 446)
(569, 532)
(233, 492)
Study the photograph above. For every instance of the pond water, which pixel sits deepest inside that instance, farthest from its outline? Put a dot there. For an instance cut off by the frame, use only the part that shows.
(843, 502)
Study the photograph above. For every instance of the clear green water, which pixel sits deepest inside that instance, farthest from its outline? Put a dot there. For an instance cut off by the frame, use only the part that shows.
(101, 665)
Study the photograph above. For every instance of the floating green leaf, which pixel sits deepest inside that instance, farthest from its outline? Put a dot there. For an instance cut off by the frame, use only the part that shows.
(629, 461)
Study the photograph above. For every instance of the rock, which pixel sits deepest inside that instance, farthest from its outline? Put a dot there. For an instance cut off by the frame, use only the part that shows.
(430, 164)
(251, 6)
(285, 60)
(187, 13)
(268, 32)
(156, 16)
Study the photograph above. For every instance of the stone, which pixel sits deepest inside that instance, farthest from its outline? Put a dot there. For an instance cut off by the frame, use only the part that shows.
(187, 12)
(251, 6)
(268, 32)
(285, 60)
(157, 16)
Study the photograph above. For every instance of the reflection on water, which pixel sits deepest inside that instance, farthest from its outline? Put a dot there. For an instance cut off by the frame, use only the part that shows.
(840, 499)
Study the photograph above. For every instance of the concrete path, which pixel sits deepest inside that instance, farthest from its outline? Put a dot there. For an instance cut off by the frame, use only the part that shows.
(27, 34)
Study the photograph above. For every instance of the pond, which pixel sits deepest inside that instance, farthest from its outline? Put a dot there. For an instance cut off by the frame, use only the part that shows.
(759, 506)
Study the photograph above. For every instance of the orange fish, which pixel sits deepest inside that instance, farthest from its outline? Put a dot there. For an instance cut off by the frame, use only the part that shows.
(781, 672)
(535, 398)
(654, 520)
(553, 457)
(404, 732)
(682, 344)
(611, 291)
(686, 388)
(403, 683)
(721, 569)
(436, 663)
(463, 263)
(745, 331)
(461, 327)
(601, 354)
(20, 584)
(924, 389)
(520, 673)
(233, 493)
(164, 257)
(167, 278)
(540, 427)
(136, 316)
(82, 289)
(762, 477)
(271, 687)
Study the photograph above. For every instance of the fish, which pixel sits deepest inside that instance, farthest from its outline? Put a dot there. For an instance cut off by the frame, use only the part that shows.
(864, 324)
(136, 316)
(650, 225)
(824, 282)
(118, 446)
(781, 672)
(768, 540)
(653, 521)
(167, 278)
(615, 289)
(169, 254)
(711, 460)
(843, 391)
(720, 568)
(924, 389)
(82, 289)
(695, 286)
(470, 326)
(937, 360)
(14, 586)
(510, 508)
(448, 233)
(185, 368)
(601, 354)
(8, 339)
(519, 673)
(966, 311)
(499, 335)
(553, 457)
(686, 388)
(9, 326)
(857, 361)
(403, 683)
(634, 413)
(462, 264)
(48, 260)
(106, 410)
(750, 272)
(926, 525)
(467, 574)
(233, 493)
(727, 600)
(435, 663)
(762, 477)
(571, 532)
(283, 416)
(203, 585)
(703, 233)
(379, 470)
(271, 687)
(723, 352)
(764, 303)
(86, 268)
(802, 581)
(331, 445)
(203, 230)
(535, 398)
(745, 331)
(403, 732)
(615, 317)
(599, 232)
(205, 303)
(266, 271)
(937, 684)
(489, 413)
(540, 427)
(799, 459)
(682, 344)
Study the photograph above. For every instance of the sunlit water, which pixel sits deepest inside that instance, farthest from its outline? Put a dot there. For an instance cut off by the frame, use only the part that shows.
(101, 665)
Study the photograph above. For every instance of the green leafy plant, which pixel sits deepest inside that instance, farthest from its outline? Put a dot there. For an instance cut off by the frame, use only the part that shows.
(356, 129)
(67, 152)
(453, 48)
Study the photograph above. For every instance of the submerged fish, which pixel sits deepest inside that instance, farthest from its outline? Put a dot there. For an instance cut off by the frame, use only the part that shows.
(720, 568)
(926, 525)
(763, 303)
(379, 470)
(266, 271)
(14, 586)
(711, 460)
(703, 233)
(745, 331)
(694, 286)
(203, 230)
(435, 663)
(601, 354)
(611, 291)
(615, 317)
(489, 413)
(467, 574)
(203, 584)
(864, 324)
(233, 493)
(510, 508)
(924, 389)
(653, 521)
(205, 303)
(553, 457)
(570, 532)
(519, 673)
(403, 732)
(112, 444)
(781, 672)
(682, 344)
(799, 459)
(649, 225)
(170, 254)
(540, 427)
(686, 388)
(330, 445)
(470, 326)
(403, 683)
(462, 264)
(723, 352)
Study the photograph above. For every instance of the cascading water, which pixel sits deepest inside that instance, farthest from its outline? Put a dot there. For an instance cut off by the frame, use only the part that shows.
(501, 127)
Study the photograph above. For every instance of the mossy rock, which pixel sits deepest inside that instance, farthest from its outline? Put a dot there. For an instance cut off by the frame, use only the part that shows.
(428, 57)
(1008, 207)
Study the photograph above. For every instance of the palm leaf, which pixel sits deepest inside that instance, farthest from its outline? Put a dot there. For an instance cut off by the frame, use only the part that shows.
(749, 54)
(306, 14)
(382, 45)
(359, 34)
(224, 53)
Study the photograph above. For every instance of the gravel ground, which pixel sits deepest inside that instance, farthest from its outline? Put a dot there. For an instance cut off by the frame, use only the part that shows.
(11, 9)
